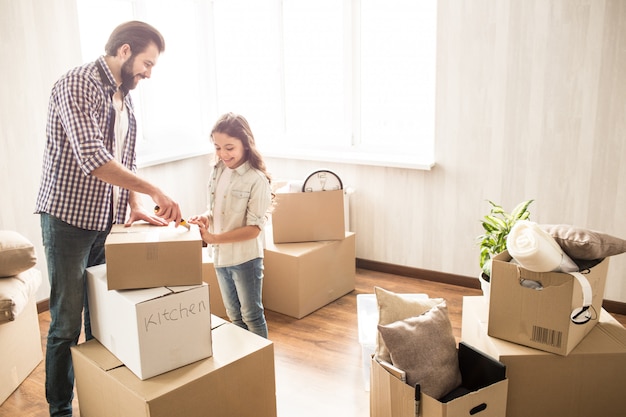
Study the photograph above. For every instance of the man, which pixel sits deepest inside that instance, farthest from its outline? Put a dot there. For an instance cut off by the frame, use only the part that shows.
(87, 184)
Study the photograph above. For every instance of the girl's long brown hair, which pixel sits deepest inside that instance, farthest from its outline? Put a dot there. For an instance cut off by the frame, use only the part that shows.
(236, 126)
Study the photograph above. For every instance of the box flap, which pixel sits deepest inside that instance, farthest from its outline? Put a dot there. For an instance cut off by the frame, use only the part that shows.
(182, 288)
(98, 354)
(478, 369)
(217, 321)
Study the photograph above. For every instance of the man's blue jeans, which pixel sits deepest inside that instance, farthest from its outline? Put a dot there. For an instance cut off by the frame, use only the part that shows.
(69, 251)
(241, 287)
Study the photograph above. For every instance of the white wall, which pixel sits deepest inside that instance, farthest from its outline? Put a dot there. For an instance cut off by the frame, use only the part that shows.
(531, 98)
(37, 43)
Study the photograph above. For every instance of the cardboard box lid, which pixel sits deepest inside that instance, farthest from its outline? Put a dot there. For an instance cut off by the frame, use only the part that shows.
(147, 233)
(297, 249)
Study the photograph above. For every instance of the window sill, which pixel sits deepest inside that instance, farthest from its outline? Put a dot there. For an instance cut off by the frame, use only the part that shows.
(409, 161)
(155, 155)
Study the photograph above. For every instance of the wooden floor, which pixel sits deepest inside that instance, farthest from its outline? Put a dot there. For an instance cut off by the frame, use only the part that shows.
(319, 369)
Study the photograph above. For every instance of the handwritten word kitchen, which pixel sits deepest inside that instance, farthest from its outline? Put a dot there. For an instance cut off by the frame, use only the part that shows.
(168, 314)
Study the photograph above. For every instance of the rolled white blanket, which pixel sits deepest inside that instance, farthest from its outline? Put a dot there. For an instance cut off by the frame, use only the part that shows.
(537, 251)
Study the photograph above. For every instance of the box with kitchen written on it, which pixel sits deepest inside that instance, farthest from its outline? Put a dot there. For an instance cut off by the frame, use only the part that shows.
(541, 319)
(20, 349)
(308, 217)
(589, 381)
(483, 391)
(152, 330)
(147, 256)
(303, 277)
(209, 276)
(238, 380)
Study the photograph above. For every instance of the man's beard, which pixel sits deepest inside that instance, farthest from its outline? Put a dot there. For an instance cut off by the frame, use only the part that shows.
(128, 78)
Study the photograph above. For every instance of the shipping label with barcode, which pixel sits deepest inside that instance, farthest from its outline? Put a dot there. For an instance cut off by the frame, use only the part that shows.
(547, 336)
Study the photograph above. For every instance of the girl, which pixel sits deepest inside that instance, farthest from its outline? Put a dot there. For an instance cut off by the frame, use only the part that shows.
(240, 197)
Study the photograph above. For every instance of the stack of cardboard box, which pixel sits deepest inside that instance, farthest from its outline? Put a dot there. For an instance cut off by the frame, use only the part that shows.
(557, 364)
(158, 351)
(309, 257)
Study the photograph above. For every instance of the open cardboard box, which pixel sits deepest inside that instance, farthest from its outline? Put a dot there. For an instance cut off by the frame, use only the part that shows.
(541, 318)
(482, 393)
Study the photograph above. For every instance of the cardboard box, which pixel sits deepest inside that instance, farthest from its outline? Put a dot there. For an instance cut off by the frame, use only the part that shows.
(147, 256)
(303, 277)
(209, 276)
(238, 381)
(392, 397)
(309, 217)
(152, 330)
(20, 349)
(589, 381)
(541, 318)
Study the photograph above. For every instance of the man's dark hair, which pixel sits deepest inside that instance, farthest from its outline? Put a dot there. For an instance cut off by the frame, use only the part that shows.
(136, 34)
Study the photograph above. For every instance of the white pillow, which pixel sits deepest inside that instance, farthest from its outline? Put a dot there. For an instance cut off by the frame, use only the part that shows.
(393, 307)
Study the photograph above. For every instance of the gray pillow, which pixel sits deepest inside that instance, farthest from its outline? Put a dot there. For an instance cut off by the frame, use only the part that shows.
(17, 254)
(425, 348)
(393, 307)
(579, 243)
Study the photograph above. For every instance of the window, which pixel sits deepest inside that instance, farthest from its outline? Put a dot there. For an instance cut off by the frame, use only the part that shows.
(349, 81)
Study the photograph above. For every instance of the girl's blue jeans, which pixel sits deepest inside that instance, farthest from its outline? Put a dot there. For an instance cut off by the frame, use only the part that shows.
(69, 251)
(241, 287)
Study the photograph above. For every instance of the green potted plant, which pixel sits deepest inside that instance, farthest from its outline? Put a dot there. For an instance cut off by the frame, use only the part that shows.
(496, 227)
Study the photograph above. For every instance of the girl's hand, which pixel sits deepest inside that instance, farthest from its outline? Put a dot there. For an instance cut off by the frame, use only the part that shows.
(203, 224)
(199, 219)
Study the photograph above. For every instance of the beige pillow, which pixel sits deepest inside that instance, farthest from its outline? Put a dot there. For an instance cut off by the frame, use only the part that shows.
(17, 254)
(579, 243)
(424, 347)
(393, 307)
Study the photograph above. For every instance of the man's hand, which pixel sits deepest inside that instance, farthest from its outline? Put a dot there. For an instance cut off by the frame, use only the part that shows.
(140, 213)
